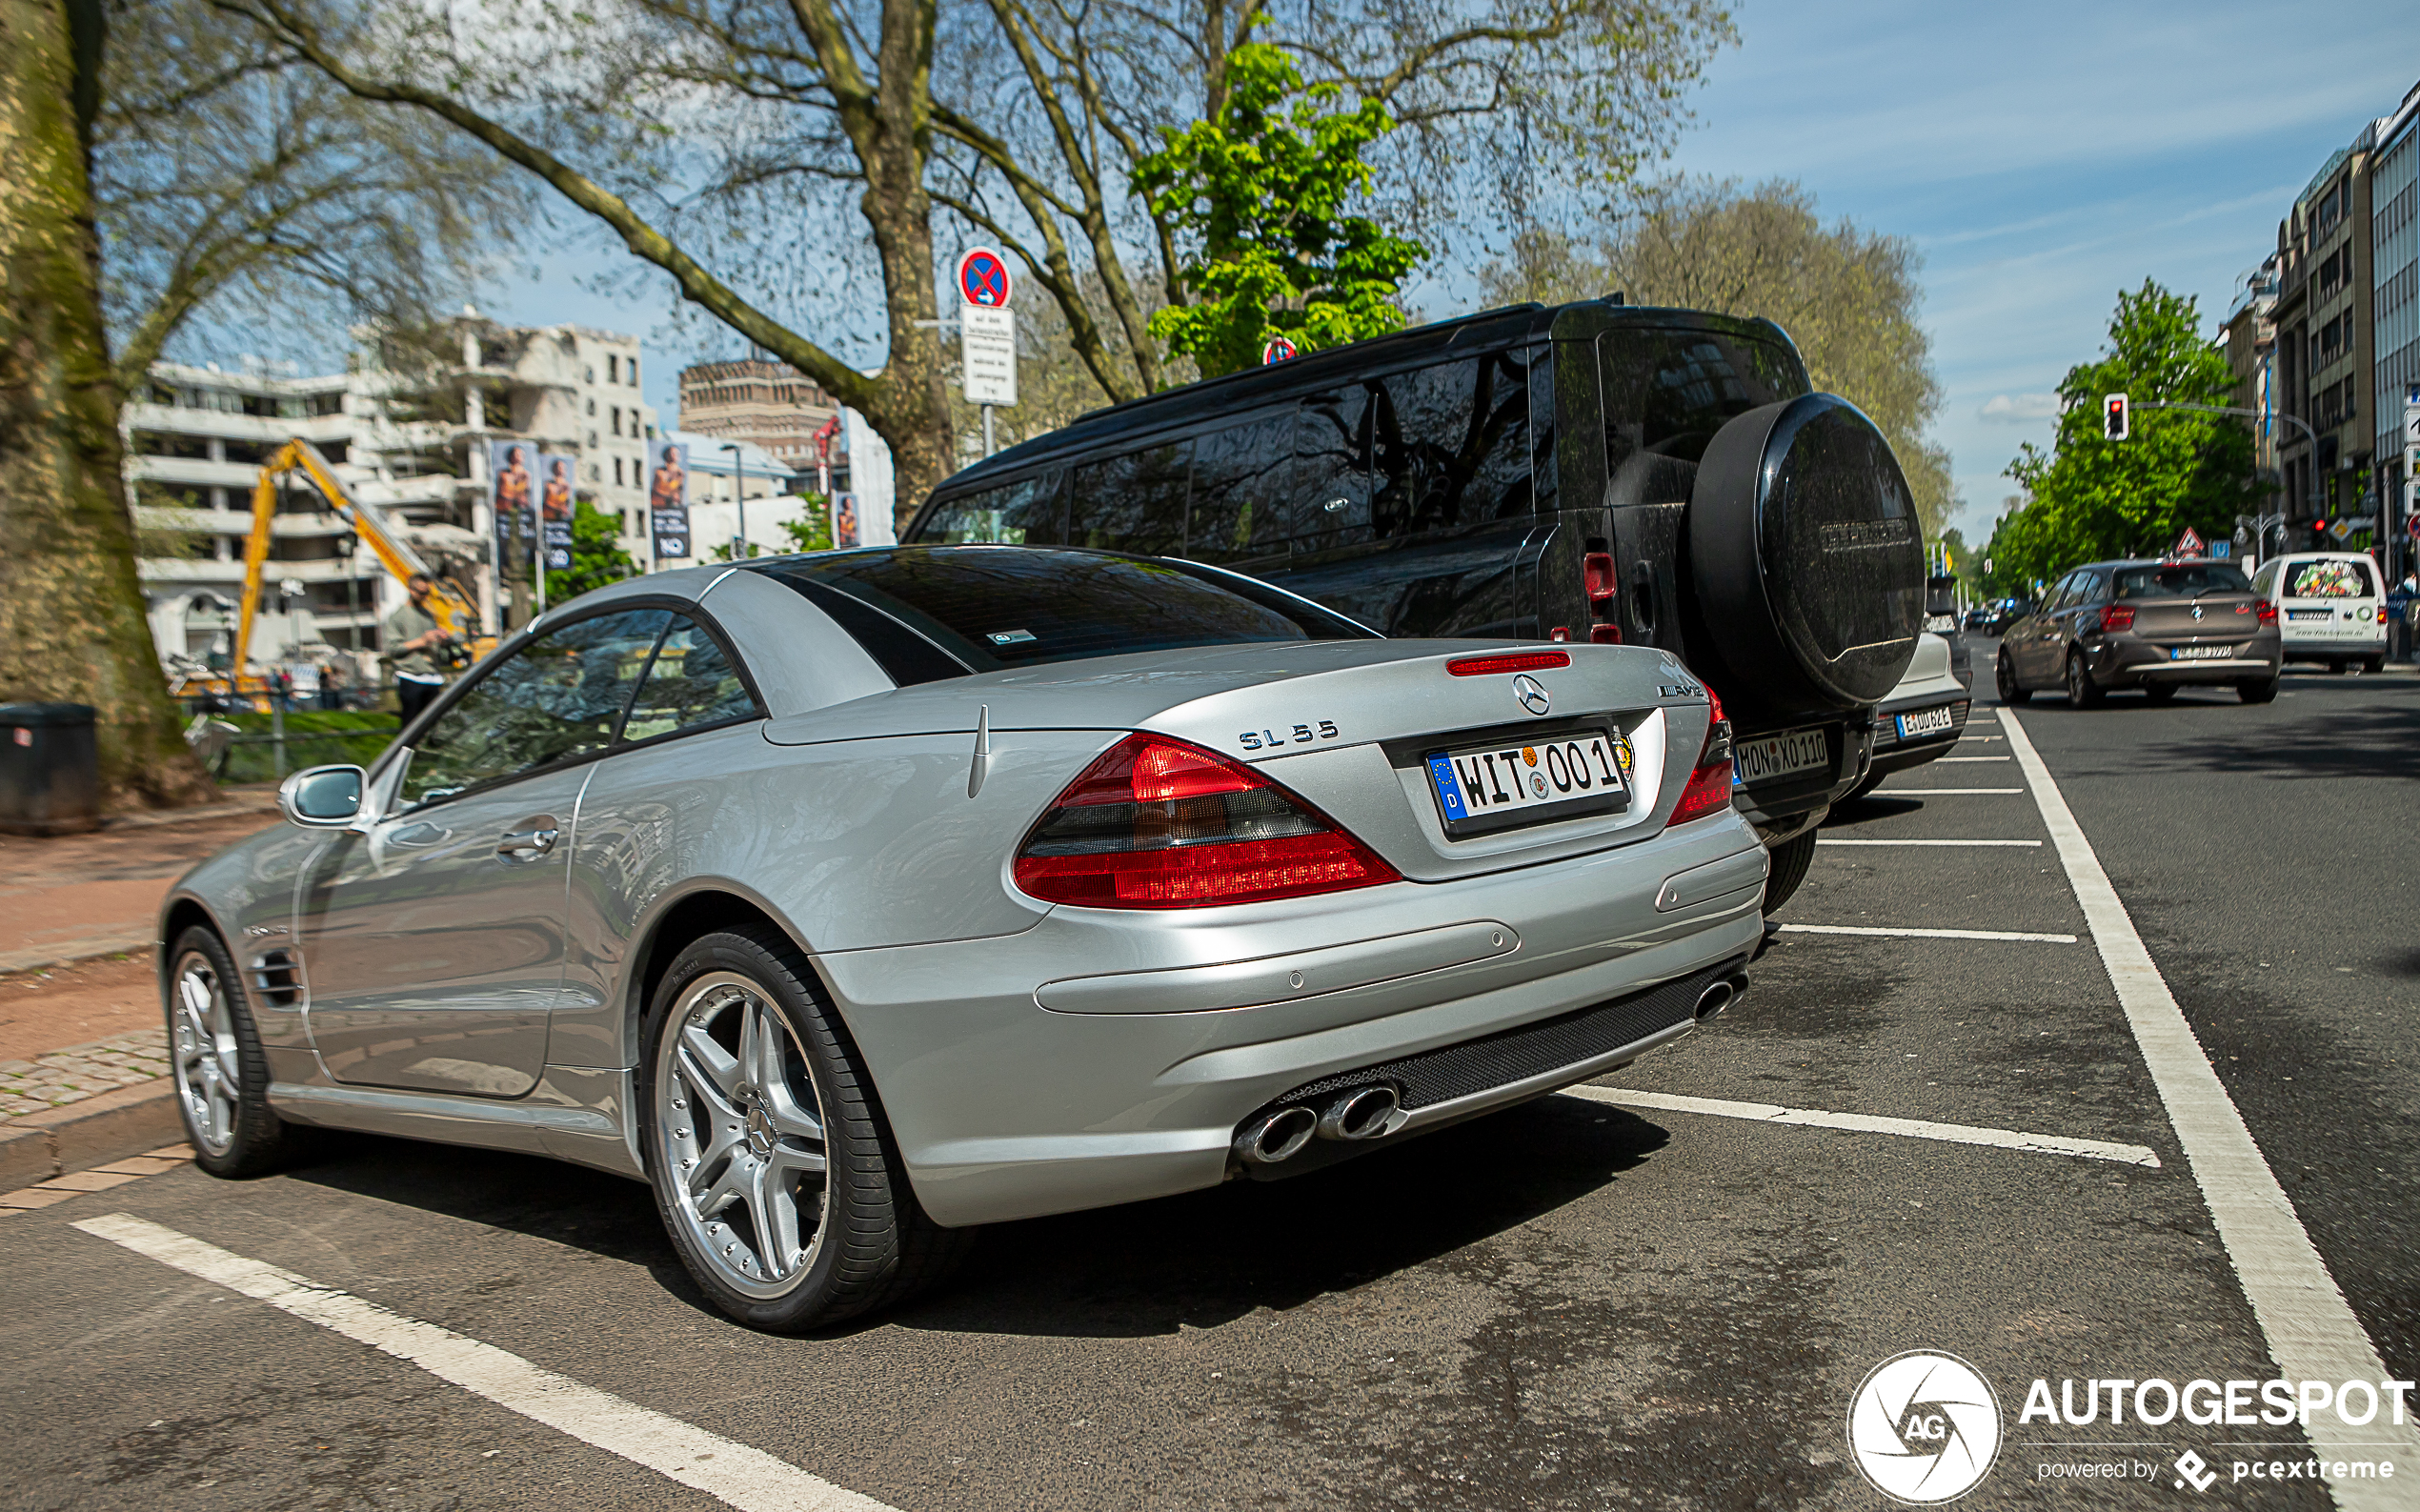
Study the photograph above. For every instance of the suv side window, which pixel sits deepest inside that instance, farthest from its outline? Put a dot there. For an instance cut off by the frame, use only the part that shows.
(1450, 446)
(1133, 503)
(691, 684)
(1241, 479)
(556, 699)
(1330, 502)
(1030, 512)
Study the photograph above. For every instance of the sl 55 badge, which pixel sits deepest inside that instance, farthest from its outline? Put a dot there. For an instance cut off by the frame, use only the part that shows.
(1301, 735)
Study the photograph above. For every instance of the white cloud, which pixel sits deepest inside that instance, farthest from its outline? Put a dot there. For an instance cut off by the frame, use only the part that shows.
(2018, 407)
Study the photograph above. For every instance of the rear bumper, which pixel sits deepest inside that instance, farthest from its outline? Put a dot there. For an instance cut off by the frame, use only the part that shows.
(2124, 661)
(1107, 1057)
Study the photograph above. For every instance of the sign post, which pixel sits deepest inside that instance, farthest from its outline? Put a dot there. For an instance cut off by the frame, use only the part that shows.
(986, 334)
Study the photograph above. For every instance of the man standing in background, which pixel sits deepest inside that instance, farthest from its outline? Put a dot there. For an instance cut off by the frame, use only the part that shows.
(411, 639)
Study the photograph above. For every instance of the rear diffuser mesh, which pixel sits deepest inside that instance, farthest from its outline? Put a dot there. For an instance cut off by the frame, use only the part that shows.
(1516, 1055)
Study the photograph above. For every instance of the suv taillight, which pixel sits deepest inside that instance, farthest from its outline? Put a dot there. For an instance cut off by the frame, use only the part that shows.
(1709, 786)
(1604, 585)
(1158, 823)
(2267, 611)
(2118, 616)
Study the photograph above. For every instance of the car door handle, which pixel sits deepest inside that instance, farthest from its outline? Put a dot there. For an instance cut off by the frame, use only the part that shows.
(524, 845)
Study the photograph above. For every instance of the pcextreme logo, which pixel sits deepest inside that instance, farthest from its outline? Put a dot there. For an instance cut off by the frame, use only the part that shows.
(1925, 1427)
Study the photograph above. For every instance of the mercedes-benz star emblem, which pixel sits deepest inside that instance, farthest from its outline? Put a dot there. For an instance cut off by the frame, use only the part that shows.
(1532, 693)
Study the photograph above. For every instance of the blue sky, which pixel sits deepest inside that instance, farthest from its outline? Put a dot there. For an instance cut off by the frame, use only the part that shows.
(2042, 157)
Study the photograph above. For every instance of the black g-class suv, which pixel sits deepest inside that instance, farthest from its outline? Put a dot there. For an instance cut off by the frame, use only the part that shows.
(1593, 471)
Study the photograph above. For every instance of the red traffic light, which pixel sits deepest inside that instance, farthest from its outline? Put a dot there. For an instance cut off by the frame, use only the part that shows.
(2115, 421)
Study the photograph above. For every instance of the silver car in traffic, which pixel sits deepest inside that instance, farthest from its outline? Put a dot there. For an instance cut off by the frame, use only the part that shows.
(853, 900)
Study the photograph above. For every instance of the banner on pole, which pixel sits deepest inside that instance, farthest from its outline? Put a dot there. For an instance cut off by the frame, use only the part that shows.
(555, 510)
(667, 497)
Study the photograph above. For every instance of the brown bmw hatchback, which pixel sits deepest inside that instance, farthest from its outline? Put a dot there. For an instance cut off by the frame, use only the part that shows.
(2155, 626)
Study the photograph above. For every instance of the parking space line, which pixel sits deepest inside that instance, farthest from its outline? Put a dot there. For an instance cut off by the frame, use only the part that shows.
(1928, 843)
(738, 1475)
(1927, 934)
(1946, 760)
(2311, 1331)
(1862, 1123)
(1918, 792)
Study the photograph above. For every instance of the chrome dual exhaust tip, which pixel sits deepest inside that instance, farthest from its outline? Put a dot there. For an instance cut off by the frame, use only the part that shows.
(1355, 1114)
(1277, 1135)
(1363, 1113)
(1719, 997)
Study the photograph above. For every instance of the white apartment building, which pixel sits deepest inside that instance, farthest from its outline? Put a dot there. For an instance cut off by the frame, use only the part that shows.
(413, 443)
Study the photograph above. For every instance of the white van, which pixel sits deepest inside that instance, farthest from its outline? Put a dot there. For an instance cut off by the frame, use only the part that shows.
(2329, 608)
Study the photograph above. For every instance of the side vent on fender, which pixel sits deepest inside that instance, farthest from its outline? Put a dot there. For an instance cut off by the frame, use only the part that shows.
(277, 977)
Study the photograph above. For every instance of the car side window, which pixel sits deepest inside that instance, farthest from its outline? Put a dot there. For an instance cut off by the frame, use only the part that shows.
(557, 697)
(2264, 579)
(691, 684)
(2060, 593)
(2088, 591)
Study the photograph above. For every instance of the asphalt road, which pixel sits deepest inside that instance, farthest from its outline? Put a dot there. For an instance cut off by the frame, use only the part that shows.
(1574, 1305)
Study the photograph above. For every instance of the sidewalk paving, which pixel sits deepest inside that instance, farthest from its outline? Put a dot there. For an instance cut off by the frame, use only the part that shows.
(71, 897)
(62, 1076)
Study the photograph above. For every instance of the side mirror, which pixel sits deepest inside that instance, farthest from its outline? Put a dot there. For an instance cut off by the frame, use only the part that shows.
(322, 797)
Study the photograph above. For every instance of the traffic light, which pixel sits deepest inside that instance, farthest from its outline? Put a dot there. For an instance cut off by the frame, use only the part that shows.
(2115, 420)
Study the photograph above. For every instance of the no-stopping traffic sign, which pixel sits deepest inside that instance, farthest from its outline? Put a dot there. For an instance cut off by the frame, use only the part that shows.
(982, 278)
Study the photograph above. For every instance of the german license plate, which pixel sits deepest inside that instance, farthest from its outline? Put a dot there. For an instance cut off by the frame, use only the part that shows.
(1779, 755)
(2309, 614)
(1521, 782)
(2200, 653)
(1924, 721)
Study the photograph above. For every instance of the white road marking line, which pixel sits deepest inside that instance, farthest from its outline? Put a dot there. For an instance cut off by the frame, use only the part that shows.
(1946, 760)
(738, 1475)
(2311, 1331)
(1927, 933)
(1861, 1123)
(1918, 792)
(1927, 843)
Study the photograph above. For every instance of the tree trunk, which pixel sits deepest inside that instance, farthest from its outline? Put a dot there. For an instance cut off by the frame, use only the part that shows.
(72, 621)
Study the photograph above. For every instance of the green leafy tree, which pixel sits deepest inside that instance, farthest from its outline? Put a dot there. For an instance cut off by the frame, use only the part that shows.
(597, 557)
(1850, 297)
(810, 530)
(1258, 196)
(2089, 497)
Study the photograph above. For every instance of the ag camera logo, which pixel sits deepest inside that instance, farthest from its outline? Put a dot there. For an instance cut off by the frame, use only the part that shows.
(1925, 1427)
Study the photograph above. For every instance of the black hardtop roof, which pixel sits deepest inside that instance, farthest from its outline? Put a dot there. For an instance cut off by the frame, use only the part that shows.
(1197, 404)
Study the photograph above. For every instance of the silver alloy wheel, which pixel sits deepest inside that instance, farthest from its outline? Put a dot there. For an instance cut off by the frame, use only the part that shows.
(208, 1070)
(740, 1131)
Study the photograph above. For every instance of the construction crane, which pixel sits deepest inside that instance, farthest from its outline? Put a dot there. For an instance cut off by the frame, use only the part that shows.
(449, 605)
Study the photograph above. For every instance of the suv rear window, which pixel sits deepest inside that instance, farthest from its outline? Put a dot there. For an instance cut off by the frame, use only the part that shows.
(2331, 578)
(931, 612)
(2182, 580)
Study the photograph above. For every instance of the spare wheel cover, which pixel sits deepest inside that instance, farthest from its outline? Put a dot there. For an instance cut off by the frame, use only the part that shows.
(1804, 546)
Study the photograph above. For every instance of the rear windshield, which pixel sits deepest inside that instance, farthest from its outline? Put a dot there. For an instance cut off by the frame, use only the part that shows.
(2331, 578)
(931, 612)
(2182, 580)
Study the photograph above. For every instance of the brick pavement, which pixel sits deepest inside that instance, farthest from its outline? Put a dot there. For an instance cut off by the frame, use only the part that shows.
(79, 1072)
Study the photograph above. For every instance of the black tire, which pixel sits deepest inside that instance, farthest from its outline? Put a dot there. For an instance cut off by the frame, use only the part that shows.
(1790, 860)
(2375, 665)
(215, 1058)
(2337, 669)
(2257, 690)
(2083, 692)
(874, 1244)
(2011, 691)
(2159, 692)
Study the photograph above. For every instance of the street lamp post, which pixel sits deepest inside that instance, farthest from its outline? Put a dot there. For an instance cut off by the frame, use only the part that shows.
(739, 490)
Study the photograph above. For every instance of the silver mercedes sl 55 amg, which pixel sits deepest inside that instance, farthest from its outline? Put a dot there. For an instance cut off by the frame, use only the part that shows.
(853, 899)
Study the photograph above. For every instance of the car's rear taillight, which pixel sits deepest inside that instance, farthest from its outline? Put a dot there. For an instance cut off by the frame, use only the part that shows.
(1507, 662)
(2118, 616)
(2266, 611)
(2381, 614)
(1709, 786)
(1158, 823)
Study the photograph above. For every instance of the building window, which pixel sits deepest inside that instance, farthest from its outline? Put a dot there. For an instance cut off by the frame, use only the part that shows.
(617, 419)
(617, 471)
(632, 368)
(613, 368)
(592, 405)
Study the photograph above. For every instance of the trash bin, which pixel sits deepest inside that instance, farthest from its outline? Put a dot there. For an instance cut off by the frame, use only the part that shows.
(49, 769)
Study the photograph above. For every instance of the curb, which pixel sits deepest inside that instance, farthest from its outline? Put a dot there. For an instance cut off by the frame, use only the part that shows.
(145, 818)
(125, 1121)
(41, 956)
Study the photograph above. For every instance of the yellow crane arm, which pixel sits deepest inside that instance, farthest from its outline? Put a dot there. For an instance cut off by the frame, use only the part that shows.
(447, 606)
